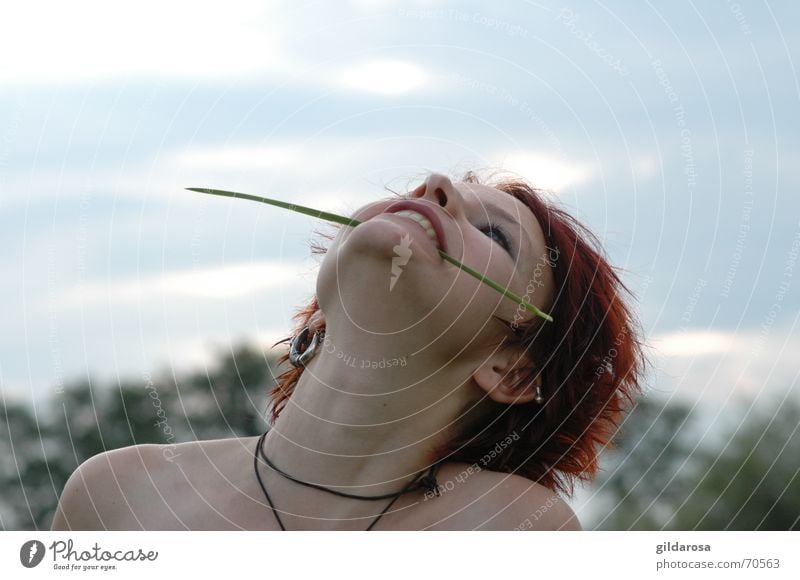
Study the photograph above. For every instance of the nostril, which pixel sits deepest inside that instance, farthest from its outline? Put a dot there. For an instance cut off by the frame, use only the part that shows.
(441, 196)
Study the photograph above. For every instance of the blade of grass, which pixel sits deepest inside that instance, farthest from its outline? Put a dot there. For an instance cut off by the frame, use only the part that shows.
(489, 282)
(332, 217)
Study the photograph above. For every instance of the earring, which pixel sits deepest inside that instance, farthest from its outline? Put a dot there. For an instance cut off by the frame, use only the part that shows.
(539, 399)
(298, 358)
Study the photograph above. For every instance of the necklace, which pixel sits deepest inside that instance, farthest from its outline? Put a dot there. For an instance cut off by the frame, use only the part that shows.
(428, 482)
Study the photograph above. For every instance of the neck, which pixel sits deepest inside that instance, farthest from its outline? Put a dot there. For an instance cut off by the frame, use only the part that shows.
(367, 414)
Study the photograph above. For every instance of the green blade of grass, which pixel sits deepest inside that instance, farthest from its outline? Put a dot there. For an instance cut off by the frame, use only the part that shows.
(323, 215)
(489, 282)
(332, 217)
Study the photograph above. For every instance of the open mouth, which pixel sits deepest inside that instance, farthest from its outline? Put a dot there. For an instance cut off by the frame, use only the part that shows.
(422, 221)
(425, 216)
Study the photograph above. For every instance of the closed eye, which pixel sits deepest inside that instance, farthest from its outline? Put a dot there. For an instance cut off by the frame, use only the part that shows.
(499, 235)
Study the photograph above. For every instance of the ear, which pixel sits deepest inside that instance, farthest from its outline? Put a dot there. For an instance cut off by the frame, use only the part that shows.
(500, 372)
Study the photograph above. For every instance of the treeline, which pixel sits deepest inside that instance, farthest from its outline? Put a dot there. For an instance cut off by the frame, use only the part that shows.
(40, 448)
(666, 473)
(671, 472)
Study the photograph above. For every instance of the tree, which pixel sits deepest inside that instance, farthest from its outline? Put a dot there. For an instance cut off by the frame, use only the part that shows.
(85, 419)
(665, 476)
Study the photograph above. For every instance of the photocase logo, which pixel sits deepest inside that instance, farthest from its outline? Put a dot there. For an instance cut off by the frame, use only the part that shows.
(402, 254)
(31, 553)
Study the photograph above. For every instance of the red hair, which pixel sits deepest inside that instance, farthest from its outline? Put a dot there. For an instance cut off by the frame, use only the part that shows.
(590, 358)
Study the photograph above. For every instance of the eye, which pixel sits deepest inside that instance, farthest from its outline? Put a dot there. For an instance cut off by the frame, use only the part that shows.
(498, 234)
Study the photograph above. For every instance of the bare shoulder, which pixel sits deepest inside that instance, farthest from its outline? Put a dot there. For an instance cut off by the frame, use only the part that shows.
(481, 499)
(97, 488)
(147, 486)
(542, 508)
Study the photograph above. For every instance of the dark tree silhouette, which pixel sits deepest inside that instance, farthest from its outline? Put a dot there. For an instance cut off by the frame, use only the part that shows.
(659, 478)
(39, 451)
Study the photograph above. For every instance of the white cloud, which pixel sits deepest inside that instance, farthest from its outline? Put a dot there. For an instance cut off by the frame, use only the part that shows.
(83, 39)
(191, 353)
(48, 41)
(255, 168)
(293, 157)
(716, 366)
(303, 170)
(696, 343)
(237, 157)
(266, 338)
(645, 167)
(545, 170)
(226, 282)
(335, 201)
(334, 174)
(385, 77)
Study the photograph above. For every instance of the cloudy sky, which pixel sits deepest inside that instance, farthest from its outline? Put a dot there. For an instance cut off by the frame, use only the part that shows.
(671, 129)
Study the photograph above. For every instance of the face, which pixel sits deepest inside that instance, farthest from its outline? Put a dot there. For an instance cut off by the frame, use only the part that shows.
(485, 228)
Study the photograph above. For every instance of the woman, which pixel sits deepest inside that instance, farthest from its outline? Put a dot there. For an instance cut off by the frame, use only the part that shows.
(419, 398)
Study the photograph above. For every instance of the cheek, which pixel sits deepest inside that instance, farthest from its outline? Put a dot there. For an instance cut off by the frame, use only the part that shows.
(491, 259)
(477, 247)
(488, 257)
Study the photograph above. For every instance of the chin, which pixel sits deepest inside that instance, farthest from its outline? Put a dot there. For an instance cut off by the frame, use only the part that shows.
(360, 268)
(371, 238)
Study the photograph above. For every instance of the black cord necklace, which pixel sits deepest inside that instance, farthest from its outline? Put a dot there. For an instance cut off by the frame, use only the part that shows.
(428, 482)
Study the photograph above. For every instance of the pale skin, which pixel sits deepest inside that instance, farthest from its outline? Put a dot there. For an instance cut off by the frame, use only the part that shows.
(351, 425)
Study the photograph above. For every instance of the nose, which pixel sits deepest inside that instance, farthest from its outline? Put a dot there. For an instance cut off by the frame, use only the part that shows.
(438, 189)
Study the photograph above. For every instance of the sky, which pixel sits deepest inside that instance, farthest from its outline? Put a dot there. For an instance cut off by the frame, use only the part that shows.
(670, 129)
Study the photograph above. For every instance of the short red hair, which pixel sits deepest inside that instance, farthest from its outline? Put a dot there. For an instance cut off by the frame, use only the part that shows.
(590, 358)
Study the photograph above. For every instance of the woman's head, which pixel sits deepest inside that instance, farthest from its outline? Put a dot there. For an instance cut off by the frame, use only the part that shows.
(587, 363)
(386, 275)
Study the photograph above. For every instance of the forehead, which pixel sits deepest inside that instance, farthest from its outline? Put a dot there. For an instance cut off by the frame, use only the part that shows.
(484, 194)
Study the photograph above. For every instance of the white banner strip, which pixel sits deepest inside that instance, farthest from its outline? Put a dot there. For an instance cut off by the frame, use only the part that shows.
(370, 555)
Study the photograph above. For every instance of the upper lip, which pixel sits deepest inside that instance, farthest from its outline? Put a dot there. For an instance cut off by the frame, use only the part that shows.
(426, 211)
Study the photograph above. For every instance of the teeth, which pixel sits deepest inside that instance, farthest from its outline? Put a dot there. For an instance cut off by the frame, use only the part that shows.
(416, 216)
(421, 220)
